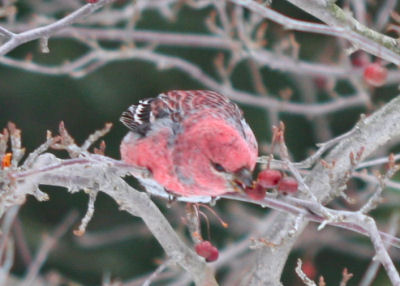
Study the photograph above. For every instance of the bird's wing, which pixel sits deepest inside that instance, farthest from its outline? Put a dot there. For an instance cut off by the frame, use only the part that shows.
(137, 117)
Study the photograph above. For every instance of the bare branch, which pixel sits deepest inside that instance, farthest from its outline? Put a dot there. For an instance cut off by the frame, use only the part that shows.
(48, 243)
(48, 30)
(359, 35)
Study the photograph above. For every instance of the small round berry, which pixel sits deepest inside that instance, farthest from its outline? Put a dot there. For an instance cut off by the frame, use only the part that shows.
(256, 193)
(288, 185)
(92, 1)
(213, 255)
(309, 269)
(359, 59)
(269, 178)
(203, 248)
(207, 250)
(6, 161)
(320, 82)
(375, 74)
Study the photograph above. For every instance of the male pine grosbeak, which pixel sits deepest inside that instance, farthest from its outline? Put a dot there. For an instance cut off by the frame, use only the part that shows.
(195, 143)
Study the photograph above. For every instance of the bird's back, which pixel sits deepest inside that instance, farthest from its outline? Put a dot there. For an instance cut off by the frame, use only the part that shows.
(177, 105)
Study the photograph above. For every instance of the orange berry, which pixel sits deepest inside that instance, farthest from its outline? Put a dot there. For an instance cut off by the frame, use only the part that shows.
(6, 161)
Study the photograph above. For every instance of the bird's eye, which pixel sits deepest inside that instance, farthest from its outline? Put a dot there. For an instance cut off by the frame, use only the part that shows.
(218, 167)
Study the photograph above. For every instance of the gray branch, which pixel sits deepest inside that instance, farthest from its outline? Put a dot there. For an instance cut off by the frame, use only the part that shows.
(96, 172)
(16, 40)
(376, 131)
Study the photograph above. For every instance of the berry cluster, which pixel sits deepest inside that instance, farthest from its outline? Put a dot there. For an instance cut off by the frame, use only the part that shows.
(207, 250)
(268, 179)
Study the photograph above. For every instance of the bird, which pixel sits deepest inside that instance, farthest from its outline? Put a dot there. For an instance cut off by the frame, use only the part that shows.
(196, 145)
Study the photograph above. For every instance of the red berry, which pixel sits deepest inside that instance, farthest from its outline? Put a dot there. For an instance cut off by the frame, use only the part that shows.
(269, 178)
(213, 255)
(309, 269)
(320, 82)
(375, 74)
(256, 193)
(359, 59)
(288, 185)
(203, 248)
(92, 1)
(207, 250)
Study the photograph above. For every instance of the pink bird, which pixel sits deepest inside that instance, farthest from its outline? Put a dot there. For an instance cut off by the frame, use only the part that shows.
(195, 143)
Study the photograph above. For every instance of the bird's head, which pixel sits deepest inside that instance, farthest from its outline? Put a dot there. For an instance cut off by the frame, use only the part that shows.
(215, 156)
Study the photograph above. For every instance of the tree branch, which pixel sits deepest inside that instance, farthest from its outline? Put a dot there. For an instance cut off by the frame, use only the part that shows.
(16, 40)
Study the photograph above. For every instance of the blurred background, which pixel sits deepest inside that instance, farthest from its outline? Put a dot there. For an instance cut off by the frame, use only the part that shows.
(118, 245)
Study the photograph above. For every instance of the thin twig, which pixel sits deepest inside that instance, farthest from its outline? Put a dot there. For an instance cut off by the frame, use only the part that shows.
(46, 31)
(47, 245)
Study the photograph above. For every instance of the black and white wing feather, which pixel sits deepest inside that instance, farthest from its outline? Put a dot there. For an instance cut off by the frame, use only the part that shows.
(138, 117)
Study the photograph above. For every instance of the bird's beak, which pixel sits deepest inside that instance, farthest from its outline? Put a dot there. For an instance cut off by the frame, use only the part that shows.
(243, 178)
